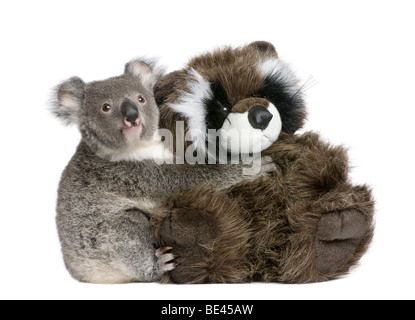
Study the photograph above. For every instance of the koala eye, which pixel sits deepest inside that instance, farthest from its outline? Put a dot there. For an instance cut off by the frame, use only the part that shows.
(106, 107)
(141, 99)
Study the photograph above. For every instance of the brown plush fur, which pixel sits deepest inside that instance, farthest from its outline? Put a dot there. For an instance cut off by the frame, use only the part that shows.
(234, 68)
(246, 104)
(304, 223)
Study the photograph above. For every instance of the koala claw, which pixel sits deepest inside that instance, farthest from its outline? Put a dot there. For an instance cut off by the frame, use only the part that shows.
(267, 165)
(268, 168)
(166, 260)
(162, 250)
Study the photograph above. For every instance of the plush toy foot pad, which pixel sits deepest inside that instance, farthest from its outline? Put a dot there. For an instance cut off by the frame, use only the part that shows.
(339, 236)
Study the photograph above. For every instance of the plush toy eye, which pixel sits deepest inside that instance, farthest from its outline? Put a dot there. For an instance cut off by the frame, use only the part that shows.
(141, 99)
(226, 110)
(106, 107)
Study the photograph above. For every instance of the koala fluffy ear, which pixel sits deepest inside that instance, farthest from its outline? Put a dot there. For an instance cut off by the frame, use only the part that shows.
(264, 47)
(68, 99)
(147, 70)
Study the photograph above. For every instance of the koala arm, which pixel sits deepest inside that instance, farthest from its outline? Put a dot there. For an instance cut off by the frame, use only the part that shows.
(226, 176)
(174, 177)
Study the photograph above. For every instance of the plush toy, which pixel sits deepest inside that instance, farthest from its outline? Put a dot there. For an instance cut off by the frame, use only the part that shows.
(305, 223)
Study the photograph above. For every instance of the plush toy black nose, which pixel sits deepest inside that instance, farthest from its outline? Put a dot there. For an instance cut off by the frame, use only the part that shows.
(129, 111)
(259, 117)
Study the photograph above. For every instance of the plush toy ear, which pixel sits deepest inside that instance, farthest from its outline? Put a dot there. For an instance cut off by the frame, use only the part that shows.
(166, 86)
(146, 70)
(68, 99)
(264, 47)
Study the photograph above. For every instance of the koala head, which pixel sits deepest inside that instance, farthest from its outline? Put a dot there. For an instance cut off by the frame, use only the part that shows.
(233, 90)
(114, 115)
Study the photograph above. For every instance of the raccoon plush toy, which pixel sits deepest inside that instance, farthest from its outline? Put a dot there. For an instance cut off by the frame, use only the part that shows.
(305, 223)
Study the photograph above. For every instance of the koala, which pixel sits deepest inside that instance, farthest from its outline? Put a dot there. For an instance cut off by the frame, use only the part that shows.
(111, 185)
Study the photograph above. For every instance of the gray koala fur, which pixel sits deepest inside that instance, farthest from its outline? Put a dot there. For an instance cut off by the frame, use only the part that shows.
(108, 190)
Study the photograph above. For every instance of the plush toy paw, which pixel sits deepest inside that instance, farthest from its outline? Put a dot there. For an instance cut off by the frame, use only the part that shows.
(341, 239)
(207, 229)
(166, 260)
(188, 231)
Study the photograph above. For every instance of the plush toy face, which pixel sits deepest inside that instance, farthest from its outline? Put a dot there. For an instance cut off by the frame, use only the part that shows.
(252, 123)
(247, 92)
(115, 114)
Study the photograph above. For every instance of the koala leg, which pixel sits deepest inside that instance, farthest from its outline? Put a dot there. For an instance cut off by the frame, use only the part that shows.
(206, 229)
(116, 247)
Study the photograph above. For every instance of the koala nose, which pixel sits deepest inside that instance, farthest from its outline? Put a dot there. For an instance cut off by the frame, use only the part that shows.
(129, 111)
(259, 117)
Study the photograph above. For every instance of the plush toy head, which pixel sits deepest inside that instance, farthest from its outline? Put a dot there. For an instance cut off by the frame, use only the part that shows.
(244, 89)
(113, 115)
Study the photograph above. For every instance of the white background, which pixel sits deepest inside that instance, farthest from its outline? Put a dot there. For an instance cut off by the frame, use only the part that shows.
(360, 53)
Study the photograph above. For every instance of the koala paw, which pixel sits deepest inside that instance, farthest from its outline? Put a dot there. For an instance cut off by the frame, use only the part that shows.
(263, 169)
(267, 165)
(339, 236)
(166, 259)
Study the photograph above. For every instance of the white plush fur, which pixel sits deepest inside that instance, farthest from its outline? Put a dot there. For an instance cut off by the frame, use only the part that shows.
(238, 136)
(191, 106)
(278, 67)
